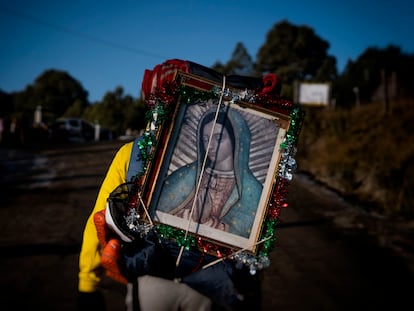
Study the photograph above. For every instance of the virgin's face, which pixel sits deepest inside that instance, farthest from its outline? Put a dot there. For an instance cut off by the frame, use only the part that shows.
(220, 147)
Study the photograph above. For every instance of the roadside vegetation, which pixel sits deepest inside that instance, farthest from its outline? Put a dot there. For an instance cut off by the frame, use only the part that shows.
(363, 153)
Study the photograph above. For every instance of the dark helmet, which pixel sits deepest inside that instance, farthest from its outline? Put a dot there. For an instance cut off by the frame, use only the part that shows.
(122, 213)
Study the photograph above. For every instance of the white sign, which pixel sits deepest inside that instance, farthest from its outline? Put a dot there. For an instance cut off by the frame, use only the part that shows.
(314, 93)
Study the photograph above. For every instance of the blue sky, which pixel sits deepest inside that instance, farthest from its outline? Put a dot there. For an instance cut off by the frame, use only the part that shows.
(105, 44)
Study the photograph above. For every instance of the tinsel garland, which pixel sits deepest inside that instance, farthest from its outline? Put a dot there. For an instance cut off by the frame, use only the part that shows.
(161, 103)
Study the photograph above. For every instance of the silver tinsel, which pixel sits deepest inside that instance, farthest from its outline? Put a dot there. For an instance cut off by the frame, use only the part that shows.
(255, 263)
(287, 164)
(233, 96)
(136, 224)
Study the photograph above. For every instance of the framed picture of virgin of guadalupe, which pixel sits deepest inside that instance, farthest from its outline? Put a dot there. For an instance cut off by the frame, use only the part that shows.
(216, 165)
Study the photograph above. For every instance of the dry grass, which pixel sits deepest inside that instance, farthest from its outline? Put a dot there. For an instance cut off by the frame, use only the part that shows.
(364, 153)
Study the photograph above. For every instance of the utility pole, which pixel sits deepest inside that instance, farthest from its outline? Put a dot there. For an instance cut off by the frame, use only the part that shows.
(356, 91)
(386, 96)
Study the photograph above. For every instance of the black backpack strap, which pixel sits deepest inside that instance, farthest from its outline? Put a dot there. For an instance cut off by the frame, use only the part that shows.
(135, 163)
(134, 168)
(135, 299)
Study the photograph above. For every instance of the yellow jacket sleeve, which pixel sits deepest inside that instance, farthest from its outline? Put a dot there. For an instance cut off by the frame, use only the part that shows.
(90, 257)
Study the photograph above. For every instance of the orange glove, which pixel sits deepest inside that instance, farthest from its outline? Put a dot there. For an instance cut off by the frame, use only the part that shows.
(110, 249)
(102, 229)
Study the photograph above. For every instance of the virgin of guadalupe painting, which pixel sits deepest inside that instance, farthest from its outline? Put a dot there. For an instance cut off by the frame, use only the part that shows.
(219, 167)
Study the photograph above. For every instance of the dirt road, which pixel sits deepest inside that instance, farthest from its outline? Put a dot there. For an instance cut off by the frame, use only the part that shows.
(324, 258)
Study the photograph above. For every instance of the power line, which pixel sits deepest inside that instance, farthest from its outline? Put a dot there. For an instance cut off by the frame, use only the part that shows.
(79, 34)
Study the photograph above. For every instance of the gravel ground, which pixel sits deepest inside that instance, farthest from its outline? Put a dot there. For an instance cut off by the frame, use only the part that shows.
(329, 255)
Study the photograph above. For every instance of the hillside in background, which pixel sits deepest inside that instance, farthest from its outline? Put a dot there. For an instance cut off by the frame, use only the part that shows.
(364, 154)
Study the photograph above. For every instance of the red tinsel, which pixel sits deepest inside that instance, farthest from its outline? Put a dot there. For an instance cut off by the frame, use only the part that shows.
(279, 199)
(211, 248)
(273, 102)
(166, 94)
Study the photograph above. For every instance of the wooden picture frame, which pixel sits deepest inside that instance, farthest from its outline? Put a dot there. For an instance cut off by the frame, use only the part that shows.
(235, 183)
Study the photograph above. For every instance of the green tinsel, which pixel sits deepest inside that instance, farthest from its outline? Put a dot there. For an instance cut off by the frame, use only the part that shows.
(178, 235)
(188, 94)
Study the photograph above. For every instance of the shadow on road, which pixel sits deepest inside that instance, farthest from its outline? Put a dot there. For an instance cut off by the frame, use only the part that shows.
(315, 265)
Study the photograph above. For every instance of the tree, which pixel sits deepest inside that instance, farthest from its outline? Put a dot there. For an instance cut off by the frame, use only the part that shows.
(328, 71)
(111, 114)
(75, 110)
(55, 91)
(372, 71)
(117, 112)
(295, 53)
(6, 104)
(241, 63)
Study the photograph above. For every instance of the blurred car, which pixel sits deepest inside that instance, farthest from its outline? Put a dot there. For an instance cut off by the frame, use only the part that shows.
(71, 130)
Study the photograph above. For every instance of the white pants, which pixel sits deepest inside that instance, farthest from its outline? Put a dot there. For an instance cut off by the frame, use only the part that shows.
(157, 294)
